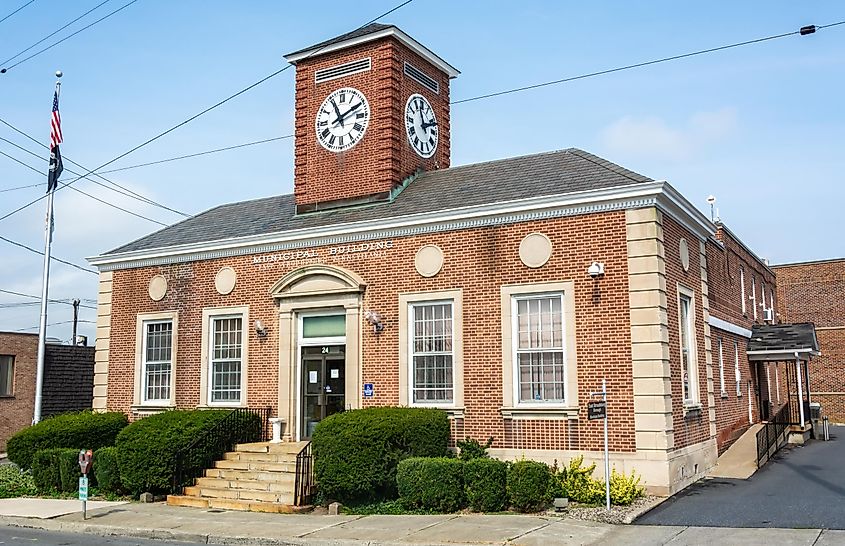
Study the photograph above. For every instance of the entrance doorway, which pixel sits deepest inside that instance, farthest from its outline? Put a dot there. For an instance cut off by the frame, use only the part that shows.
(323, 384)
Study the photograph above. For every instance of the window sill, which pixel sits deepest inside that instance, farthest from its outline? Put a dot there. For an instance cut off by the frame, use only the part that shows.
(692, 410)
(7, 396)
(556, 413)
(724, 394)
(149, 409)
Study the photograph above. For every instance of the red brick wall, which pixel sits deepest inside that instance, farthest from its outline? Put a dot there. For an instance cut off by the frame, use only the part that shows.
(814, 292)
(383, 158)
(479, 261)
(16, 411)
(732, 409)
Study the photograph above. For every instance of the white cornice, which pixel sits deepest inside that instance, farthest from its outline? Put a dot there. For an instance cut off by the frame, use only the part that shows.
(658, 193)
(414, 45)
(729, 327)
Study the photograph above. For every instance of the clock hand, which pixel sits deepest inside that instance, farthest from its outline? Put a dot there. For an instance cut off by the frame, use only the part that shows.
(343, 117)
(429, 124)
(337, 112)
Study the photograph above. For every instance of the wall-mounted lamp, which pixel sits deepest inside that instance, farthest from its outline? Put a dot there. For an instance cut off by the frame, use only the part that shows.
(596, 269)
(375, 319)
(260, 329)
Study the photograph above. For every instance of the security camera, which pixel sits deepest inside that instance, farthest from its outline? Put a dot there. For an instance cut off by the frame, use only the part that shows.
(596, 269)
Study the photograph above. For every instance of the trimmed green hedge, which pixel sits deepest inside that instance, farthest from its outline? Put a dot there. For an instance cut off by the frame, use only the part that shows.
(486, 484)
(356, 452)
(56, 469)
(146, 448)
(106, 469)
(431, 483)
(528, 485)
(83, 430)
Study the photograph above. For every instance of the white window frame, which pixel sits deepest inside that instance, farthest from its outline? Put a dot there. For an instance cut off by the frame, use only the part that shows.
(691, 399)
(772, 303)
(412, 354)
(145, 363)
(208, 315)
(737, 371)
(11, 360)
(753, 296)
(211, 361)
(139, 401)
(515, 299)
(722, 369)
(742, 290)
(763, 297)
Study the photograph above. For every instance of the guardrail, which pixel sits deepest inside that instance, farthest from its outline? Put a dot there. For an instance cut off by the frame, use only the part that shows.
(303, 491)
(772, 436)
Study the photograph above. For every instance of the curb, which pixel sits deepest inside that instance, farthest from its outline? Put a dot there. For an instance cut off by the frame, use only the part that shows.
(643, 510)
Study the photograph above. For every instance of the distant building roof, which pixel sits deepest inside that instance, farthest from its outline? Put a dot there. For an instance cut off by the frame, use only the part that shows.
(771, 339)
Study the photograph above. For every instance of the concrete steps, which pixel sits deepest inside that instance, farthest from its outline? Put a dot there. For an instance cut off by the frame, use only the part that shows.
(258, 477)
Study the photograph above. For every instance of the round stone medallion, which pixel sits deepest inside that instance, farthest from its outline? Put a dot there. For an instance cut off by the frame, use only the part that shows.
(535, 250)
(224, 281)
(429, 260)
(684, 251)
(157, 288)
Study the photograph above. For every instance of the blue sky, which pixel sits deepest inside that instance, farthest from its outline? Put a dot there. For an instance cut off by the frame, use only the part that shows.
(760, 127)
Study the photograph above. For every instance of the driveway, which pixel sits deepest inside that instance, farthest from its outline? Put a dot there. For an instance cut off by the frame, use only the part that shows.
(801, 487)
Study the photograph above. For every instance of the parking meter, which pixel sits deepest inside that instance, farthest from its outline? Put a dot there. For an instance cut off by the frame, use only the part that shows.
(85, 459)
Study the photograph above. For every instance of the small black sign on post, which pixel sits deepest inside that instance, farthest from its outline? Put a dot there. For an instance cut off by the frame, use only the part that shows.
(596, 410)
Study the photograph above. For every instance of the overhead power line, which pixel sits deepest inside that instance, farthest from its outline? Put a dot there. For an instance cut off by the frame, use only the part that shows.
(802, 31)
(45, 38)
(17, 10)
(32, 296)
(55, 324)
(21, 187)
(29, 248)
(195, 116)
(71, 35)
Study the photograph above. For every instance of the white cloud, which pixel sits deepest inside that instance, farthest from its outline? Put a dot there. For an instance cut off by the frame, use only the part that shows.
(654, 138)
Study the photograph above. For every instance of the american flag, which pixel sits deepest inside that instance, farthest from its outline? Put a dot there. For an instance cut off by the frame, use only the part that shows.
(55, 139)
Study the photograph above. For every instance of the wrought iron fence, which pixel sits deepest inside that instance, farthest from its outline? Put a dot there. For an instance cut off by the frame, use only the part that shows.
(304, 485)
(237, 427)
(772, 436)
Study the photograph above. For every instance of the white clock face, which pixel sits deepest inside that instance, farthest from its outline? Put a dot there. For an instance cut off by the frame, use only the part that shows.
(342, 119)
(421, 125)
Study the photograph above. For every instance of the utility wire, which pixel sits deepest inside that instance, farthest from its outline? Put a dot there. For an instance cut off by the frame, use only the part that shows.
(21, 187)
(29, 248)
(54, 44)
(55, 324)
(65, 301)
(45, 38)
(803, 31)
(17, 10)
(195, 116)
(126, 191)
(95, 198)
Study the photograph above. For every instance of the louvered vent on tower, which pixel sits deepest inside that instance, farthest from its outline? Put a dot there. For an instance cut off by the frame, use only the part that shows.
(341, 70)
(417, 74)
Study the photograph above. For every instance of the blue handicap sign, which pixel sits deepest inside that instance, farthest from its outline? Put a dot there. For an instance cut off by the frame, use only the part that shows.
(368, 390)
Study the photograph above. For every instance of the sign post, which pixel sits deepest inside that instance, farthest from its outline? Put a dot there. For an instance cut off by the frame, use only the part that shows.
(598, 410)
(85, 458)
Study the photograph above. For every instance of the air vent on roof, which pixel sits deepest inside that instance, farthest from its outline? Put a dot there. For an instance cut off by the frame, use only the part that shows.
(420, 76)
(341, 70)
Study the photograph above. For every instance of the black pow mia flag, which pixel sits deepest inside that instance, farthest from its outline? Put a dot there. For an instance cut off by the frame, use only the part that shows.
(56, 169)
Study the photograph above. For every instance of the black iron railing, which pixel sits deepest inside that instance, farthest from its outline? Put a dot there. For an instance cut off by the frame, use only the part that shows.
(240, 426)
(772, 436)
(304, 484)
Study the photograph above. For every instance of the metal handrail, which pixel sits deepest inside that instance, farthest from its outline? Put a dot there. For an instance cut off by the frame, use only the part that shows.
(769, 437)
(303, 489)
(237, 427)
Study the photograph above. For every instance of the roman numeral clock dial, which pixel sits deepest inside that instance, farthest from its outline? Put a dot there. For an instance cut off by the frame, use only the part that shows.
(421, 125)
(342, 119)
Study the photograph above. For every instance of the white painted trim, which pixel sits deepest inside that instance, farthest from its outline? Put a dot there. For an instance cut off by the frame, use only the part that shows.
(414, 45)
(658, 193)
(729, 327)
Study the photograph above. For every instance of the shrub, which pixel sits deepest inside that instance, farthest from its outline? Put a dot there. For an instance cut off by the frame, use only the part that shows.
(579, 484)
(106, 469)
(83, 430)
(356, 452)
(435, 484)
(56, 469)
(146, 449)
(15, 482)
(473, 449)
(624, 489)
(486, 484)
(528, 485)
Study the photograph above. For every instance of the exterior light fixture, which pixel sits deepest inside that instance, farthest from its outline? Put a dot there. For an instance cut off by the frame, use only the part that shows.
(375, 319)
(596, 270)
(260, 329)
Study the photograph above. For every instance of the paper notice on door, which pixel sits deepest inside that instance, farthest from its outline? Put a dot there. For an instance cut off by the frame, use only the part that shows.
(312, 377)
(335, 374)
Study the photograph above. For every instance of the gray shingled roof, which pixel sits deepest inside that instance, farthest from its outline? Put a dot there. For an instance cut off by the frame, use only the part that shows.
(547, 174)
(363, 31)
(783, 337)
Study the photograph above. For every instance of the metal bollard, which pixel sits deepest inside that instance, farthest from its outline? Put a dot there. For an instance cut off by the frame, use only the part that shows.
(826, 428)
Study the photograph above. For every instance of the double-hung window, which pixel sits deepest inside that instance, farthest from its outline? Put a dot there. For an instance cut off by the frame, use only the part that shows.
(737, 372)
(157, 361)
(225, 359)
(539, 348)
(722, 368)
(432, 352)
(689, 376)
(742, 290)
(753, 296)
(7, 375)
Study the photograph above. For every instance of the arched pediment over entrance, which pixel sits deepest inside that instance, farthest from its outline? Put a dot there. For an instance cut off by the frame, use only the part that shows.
(318, 279)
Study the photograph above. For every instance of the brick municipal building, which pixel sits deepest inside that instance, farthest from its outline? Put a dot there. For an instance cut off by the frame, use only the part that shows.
(502, 292)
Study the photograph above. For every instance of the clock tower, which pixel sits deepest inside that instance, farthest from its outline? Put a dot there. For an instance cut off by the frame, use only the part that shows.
(372, 109)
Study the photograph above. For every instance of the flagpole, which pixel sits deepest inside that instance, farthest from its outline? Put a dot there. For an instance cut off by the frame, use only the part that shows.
(42, 331)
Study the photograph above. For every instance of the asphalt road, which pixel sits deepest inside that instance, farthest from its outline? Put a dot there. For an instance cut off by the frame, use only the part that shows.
(13, 536)
(801, 487)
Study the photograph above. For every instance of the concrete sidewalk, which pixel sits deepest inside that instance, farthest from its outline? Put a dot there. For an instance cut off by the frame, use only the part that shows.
(170, 523)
